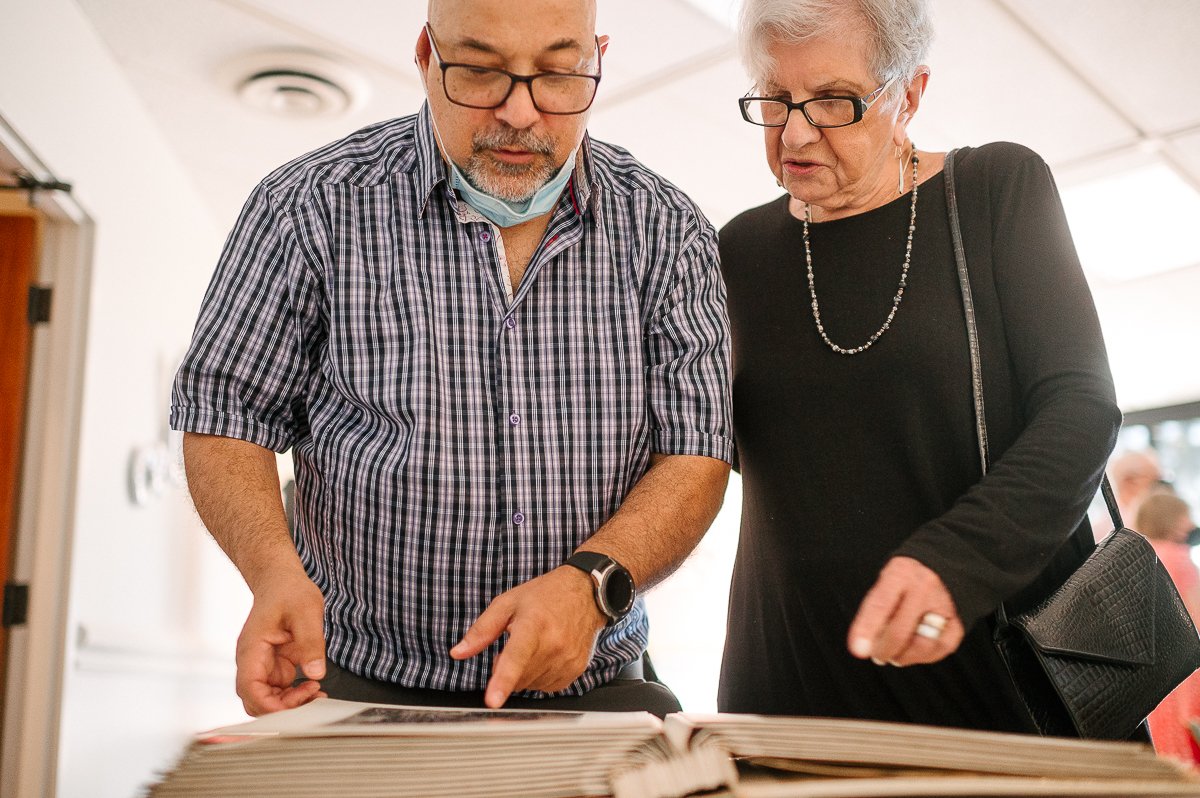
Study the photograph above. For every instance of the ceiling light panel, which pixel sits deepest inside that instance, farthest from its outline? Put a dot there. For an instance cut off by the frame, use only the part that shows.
(1134, 223)
(297, 83)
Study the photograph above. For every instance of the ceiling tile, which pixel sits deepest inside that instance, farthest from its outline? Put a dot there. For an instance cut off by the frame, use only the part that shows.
(670, 76)
(690, 132)
(991, 81)
(175, 55)
(1186, 148)
(646, 37)
(1143, 55)
(195, 38)
(229, 147)
(651, 39)
(382, 30)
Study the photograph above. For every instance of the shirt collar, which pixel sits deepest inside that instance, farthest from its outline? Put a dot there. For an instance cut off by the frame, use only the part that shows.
(584, 196)
(431, 169)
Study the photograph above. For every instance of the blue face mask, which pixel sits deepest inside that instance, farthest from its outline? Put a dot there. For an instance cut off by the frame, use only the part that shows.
(505, 213)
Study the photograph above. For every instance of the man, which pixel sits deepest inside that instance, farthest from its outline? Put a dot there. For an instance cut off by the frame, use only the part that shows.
(1135, 475)
(498, 351)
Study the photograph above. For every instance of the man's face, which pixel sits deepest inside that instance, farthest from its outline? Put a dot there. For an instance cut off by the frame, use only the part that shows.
(513, 150)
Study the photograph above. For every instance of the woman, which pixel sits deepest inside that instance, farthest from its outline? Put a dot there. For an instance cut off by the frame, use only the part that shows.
(1166, 521)
(872, 553)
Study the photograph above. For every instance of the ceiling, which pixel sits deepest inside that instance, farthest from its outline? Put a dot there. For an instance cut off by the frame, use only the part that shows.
(1095, 86)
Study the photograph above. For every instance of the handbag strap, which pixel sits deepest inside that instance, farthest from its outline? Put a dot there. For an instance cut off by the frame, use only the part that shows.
(964, 283)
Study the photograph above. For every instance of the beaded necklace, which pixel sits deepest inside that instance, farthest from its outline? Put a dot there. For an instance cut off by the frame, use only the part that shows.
(812, 290)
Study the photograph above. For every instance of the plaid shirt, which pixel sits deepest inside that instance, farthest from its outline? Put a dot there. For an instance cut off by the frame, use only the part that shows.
(449, 442)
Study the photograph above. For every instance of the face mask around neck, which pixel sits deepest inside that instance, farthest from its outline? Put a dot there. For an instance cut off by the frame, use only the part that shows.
(505, 213)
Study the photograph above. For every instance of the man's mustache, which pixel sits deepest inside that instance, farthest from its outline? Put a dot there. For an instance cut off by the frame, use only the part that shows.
(511, 138)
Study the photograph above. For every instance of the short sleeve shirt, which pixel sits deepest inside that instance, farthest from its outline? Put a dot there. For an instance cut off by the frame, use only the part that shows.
(451, 439)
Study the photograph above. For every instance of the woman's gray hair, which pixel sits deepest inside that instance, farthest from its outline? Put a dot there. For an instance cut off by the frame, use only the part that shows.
(900, 31)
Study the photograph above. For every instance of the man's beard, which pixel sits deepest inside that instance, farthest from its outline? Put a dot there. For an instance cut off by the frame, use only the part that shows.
(509, 181)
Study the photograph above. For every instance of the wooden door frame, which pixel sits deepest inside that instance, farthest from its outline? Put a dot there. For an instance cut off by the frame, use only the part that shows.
(20, 235)
(45, 524)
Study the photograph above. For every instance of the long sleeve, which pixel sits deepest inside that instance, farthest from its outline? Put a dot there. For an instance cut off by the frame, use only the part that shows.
(1000, 535)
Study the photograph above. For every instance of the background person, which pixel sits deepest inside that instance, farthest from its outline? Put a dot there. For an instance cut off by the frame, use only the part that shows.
(1134, 476)
(1166, 521)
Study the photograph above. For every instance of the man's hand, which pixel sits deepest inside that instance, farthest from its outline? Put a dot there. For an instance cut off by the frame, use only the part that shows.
(235, 485)
(552, 623)
(285, 630)
(885, 628)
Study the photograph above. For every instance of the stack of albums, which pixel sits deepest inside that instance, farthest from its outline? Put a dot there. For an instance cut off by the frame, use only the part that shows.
(331, 747)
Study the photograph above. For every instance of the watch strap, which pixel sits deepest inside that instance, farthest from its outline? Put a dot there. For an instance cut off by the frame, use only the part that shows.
(590, 561)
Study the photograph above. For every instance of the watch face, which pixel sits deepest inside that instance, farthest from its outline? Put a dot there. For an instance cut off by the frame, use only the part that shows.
(618, 591)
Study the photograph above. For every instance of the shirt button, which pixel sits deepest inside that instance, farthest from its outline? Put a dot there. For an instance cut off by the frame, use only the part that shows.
(510, 323)
(485, 236)
(514, 419)
(518, 518)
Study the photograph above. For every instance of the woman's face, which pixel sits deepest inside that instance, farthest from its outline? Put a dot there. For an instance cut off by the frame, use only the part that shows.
(848, 168)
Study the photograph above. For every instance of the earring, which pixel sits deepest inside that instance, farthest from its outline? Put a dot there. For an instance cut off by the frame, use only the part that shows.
(899, 172)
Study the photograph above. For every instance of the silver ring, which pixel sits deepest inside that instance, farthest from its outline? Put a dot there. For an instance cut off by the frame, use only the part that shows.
(936, 621)
(928, 631)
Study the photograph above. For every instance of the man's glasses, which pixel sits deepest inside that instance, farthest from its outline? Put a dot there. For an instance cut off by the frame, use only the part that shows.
(476, 86)
(824, 112)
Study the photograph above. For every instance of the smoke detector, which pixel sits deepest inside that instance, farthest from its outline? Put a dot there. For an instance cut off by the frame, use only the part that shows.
(297, 83)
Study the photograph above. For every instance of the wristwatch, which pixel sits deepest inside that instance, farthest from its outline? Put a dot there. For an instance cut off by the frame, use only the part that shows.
(613, 585)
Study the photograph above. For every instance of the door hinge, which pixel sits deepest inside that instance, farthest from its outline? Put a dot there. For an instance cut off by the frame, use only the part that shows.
(39, 303)
(16, 604)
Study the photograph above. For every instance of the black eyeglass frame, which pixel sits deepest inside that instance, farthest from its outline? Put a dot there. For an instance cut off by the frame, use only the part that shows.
(514, 79)
(861, 105)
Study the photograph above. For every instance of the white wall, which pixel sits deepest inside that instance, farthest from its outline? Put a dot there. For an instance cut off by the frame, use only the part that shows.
(153, 606)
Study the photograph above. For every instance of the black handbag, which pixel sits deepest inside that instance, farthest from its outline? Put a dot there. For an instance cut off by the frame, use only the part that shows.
(1101, 651)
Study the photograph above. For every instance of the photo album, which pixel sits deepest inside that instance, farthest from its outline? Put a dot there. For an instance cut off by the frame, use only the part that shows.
(331, 747)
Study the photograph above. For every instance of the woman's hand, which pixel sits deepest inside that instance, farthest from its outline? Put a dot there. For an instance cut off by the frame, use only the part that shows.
(907, 618)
